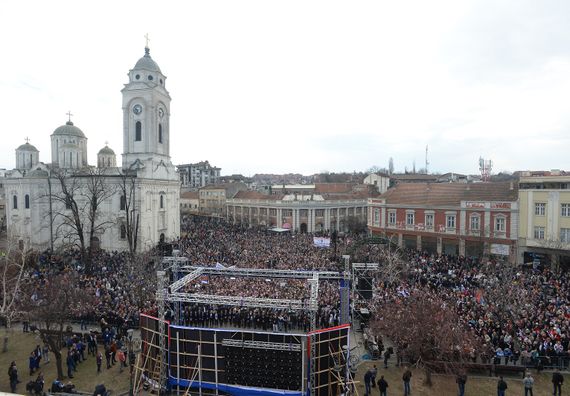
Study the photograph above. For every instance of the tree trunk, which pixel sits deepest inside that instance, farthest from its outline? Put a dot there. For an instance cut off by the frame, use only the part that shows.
(428, 381)
(58, 364)
(6, 335)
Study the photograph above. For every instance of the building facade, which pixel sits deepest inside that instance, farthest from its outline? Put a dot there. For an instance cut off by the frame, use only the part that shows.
(213, 198)
(297, 212)
(459, 219)
(544, 231)
(41, 196)
(380, 181)
(200, 174)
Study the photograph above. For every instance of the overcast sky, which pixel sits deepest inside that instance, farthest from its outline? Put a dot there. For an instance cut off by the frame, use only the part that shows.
(301, 86)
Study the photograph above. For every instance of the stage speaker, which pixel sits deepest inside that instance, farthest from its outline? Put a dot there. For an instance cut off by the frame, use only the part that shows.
(365, 287)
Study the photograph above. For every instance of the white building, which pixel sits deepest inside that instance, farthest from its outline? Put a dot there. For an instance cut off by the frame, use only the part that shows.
(379, 180)
(36, 210)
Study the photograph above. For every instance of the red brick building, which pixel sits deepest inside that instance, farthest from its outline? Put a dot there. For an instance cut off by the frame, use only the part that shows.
(471, 219)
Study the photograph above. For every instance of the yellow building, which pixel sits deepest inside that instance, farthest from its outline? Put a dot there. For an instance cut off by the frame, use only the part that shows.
(544, 228)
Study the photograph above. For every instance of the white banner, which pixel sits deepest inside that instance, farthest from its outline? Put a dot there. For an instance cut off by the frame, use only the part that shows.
(499, 249)
(321, 242)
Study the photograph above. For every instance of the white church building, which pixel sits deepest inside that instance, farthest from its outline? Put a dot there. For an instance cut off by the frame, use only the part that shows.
(37, 211)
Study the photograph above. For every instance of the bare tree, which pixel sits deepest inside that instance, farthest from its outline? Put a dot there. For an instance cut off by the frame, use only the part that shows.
(427, 331)
(13, 263)
(78, 218)
(53, 303)
(127, 189)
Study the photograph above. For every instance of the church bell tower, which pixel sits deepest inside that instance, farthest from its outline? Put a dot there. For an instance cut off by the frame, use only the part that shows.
(146, 121)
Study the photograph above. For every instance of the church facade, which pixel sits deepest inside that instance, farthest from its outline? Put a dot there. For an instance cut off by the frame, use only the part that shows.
(118, 207)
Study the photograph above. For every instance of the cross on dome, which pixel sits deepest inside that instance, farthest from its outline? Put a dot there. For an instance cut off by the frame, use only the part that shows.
(69, 115)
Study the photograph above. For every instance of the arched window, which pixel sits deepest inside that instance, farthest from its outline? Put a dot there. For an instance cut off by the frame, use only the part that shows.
(138, 131)
(159, 133)
(123, 204)
(27, 201)
(15, 202)
(123, 231)
(162, 202)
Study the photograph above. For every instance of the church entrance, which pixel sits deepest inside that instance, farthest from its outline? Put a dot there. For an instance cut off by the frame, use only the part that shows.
(303, 228)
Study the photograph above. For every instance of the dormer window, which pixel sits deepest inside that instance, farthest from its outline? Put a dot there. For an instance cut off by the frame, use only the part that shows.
(150, 78)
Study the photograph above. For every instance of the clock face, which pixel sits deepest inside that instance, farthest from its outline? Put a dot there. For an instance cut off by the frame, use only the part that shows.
(137, 109)
(160, 113)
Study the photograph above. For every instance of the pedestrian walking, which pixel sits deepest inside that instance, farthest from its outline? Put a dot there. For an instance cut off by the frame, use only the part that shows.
(501, 387)
(528, 383)
(99, 361)
(13, 376)
(406, 377)
(367, 378)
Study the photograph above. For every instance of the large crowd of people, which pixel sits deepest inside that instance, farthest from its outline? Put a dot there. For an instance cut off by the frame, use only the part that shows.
(520, 315)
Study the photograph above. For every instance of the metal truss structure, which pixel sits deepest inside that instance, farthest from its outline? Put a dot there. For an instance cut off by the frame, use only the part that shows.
(277, 346)
(177, 274)
(173, 294)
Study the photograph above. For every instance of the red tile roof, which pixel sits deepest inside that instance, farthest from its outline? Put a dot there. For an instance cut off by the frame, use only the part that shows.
(333, 188)
(449, 193)
(190, 195)
(244, 194)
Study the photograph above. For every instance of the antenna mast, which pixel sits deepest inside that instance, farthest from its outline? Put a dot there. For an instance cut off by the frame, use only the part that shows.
(427, 162)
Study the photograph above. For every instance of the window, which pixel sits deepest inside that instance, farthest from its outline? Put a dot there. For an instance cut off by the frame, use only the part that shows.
(376, 216)
(565, 235)
(410, 217)
(565, 210)
(392, 218)
(123, 231)
(539, 208)
(15, 202)
(538, 232)
(27, 201)
(162, 202)
(429, 221)
(500, 224)
(475, 223)
(138, 131)
(159, 133)
(450, 221)
(123, 204)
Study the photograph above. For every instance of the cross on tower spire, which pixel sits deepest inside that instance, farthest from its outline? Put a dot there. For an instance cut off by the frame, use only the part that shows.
(147, 40)
(69, 115)
(27, 139)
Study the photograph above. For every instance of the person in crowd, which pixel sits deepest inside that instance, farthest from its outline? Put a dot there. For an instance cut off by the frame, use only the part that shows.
(461, 380)
(528, 383)
(406, 378)
(501, 387)
(557, 381)
(383, 386)
(13, 376)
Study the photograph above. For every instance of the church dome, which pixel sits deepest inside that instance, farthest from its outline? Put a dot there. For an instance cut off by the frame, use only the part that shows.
(146, 62)
(106, 151)
(27, 147)
(69, 130)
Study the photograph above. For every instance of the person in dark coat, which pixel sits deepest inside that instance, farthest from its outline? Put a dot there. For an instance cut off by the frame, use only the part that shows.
(383, 386)
(557, 381)
(501, 387)
(13, 375)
